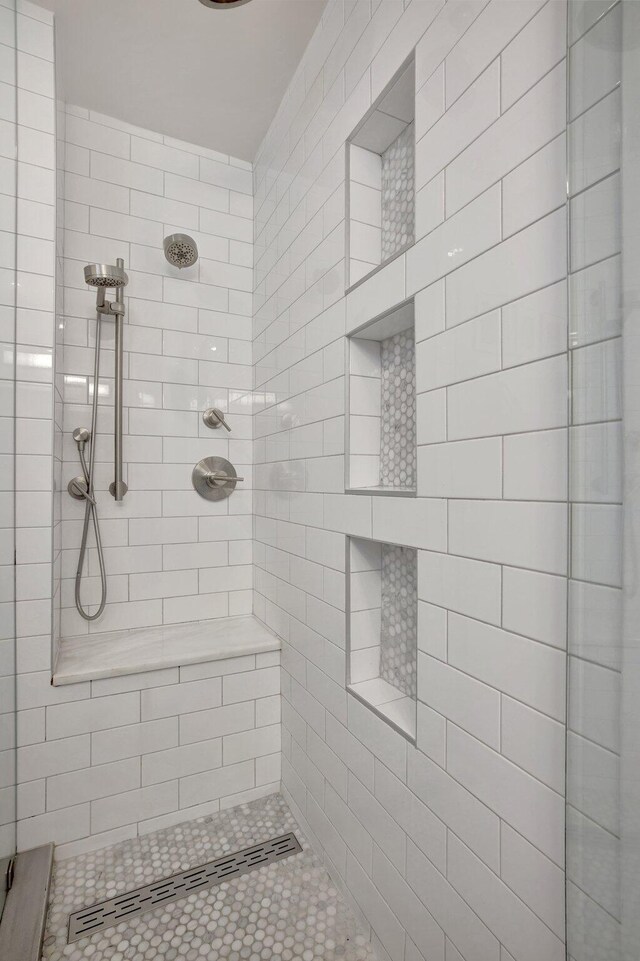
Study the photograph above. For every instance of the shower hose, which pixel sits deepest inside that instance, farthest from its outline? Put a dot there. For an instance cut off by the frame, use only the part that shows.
(90, 506)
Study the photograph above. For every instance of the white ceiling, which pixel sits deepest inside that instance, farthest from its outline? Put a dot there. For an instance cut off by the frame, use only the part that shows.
(211, 77)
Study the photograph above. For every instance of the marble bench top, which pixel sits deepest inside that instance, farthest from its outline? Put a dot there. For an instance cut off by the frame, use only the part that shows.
(119, 653)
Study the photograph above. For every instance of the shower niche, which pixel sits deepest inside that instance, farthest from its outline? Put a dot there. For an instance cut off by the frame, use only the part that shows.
(381, 179)
(382, 630)
(381, 422)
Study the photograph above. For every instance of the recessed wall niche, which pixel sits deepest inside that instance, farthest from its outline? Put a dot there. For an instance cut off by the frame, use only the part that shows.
(381, 179)
(382, 630)
(381, 425)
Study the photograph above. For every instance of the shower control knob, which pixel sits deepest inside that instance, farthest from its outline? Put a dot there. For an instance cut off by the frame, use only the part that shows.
(213, 417)
(77, 487)
(214, 478)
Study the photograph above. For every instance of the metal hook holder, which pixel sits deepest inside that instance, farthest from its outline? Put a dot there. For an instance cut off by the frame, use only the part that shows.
(214, 478)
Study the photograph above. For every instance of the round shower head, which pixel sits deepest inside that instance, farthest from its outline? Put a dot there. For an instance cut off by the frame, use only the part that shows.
(222, 4)
(105, 275)
(180, 250)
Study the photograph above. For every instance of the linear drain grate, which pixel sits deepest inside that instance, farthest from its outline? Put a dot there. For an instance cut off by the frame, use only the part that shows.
(107, 913)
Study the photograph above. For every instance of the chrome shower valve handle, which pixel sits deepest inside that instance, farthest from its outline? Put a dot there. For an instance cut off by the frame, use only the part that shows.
(214, 478)
(77, 487)
(214, 418)
(217, 478)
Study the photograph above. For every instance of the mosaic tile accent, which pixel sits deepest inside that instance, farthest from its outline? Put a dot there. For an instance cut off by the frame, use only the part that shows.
(398, 410)
(399, 624)
(398, 190)
(286, 910)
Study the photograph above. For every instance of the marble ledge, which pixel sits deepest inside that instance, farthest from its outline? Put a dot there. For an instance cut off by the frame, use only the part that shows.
(89, 658)
(385, 700)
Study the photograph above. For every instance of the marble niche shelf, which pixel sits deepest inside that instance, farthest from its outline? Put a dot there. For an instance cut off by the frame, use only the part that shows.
(88, 658)
(382, 630)
(380, 427)
(380, 180)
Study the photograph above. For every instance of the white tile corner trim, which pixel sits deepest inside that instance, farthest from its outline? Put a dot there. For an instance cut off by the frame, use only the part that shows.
(123, 653)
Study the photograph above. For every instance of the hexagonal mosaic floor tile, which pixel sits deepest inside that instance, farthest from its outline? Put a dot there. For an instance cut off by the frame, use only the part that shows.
(286, 910)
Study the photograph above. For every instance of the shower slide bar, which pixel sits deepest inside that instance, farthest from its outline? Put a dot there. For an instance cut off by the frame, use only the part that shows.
(102, 277)
(115, 309)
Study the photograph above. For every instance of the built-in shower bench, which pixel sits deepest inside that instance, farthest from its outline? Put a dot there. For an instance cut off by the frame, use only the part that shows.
(88, 658)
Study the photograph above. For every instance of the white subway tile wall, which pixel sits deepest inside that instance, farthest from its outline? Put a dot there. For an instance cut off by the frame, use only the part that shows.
(110, 759)
(595, 598)
(187, 346)
(33, 221)
(37, 540)
(102, 761)
(454, 847)
(365, 198)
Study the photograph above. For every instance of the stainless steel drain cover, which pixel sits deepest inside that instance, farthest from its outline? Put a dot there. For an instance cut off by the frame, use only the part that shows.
(108, 913)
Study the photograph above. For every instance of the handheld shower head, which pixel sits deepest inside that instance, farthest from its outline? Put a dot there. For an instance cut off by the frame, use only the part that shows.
(180, 250)
(105, 275)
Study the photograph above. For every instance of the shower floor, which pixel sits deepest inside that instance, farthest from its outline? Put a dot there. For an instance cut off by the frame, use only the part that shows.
(286, 910)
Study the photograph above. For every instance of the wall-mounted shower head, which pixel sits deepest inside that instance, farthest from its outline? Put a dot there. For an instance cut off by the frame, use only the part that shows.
(180, 250)
(223, 4)
(105, 275)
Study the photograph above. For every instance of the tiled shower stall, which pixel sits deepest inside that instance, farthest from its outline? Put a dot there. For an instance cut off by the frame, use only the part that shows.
(390, 307)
